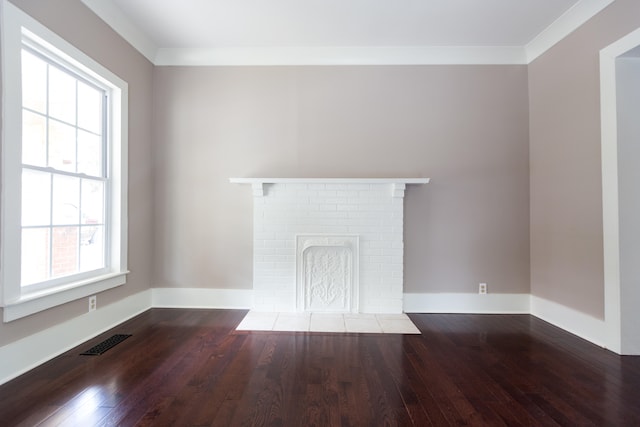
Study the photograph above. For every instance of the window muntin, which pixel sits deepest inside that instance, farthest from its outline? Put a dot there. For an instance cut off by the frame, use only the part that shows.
(19, 301)
(63, 170)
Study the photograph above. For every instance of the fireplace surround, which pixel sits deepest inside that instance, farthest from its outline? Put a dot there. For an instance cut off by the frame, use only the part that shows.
(328, 244)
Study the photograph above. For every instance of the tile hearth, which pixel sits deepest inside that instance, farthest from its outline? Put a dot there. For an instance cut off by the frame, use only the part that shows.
(328, 322)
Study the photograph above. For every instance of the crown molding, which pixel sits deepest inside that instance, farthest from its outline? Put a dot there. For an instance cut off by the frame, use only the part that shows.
(567, 23)
(580, 13)
(122, 25)
(304, 55)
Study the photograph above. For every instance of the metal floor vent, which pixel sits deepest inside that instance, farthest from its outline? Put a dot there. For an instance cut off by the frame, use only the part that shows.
(105, 345)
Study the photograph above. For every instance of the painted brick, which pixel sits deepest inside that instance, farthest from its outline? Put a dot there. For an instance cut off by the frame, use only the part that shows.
(398, 252)
(347, 207)
(274, 244)
(337, 186)
(316, 186)
(366, 210)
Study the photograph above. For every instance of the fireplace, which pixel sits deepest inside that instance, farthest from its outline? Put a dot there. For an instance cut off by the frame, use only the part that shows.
(328, 245)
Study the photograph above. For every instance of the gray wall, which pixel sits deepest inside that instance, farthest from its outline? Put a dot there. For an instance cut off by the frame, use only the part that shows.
(566, 187)
(487, 140)
(466, 127)
(78, 25)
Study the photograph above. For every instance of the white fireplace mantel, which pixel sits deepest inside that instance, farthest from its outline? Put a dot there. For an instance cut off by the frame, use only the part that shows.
(398, 185)
(328, 244)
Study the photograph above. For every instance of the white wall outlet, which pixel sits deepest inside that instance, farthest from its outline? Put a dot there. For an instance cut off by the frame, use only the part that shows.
(482, 289)
(93, 303)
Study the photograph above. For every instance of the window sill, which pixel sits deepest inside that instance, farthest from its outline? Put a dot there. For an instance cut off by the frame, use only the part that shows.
(39, 301)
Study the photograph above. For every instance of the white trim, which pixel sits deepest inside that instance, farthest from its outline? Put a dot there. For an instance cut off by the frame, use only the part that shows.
(19, 303)
(353, 55)
(121, 24)
(329, 180)
(34, 303)
(202, 298)
(398, 185)
(25, 354)
(571, 20)
(573, 321)
(610, 202)
(10, 195)
(466, 303)
(610, 216)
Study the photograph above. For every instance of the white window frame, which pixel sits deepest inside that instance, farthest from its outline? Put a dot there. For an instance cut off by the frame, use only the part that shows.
(17, 302)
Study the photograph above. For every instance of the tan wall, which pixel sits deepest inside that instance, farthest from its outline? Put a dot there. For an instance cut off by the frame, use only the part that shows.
(566, 189)
(71, 20)
(466, 127)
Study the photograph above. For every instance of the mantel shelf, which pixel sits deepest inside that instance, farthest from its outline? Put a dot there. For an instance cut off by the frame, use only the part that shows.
(329, 180)
(397, 184)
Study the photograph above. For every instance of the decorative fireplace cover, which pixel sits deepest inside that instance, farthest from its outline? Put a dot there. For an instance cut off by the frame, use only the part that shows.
(327, 273)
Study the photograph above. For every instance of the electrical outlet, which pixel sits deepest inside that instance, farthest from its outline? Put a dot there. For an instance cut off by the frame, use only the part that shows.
(93, 303)
(482, 289)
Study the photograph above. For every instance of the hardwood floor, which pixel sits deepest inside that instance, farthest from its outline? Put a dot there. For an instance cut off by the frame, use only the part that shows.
(190, 368)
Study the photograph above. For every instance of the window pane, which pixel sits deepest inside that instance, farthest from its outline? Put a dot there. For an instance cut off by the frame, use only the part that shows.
(62, 96)
(64, 253)
(91, 247)
(89, 153)
(62, 146)
(89, 108)
(34, 82)
(92, 202)
(34, 139)
(35, 255)
(66, 200)
(36, 197)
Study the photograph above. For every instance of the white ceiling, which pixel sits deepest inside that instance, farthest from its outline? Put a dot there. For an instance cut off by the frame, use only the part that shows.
(190, 32)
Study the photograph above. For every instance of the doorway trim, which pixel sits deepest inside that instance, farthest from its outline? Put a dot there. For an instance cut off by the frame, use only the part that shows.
(613, 286)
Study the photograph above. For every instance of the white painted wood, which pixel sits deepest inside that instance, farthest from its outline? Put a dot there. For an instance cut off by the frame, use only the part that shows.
(202, 298)
(34, 303)
(122, 25)
(613, 288)
(573, 321)
(571, 20)
(27, 353)
(19, 303)
(478, 36)
(21, 356)
(329, 180)
(466, 303)
(314, 55)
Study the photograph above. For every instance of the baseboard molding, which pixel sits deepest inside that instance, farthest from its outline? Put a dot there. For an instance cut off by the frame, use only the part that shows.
(573, 321)
(27, 353)
(467, 303)
(202, 298)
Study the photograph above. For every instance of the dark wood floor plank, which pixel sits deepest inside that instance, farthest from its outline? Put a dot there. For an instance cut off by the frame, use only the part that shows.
(191, 368)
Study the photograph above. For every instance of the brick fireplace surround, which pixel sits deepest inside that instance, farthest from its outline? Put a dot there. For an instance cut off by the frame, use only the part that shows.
(328, 245)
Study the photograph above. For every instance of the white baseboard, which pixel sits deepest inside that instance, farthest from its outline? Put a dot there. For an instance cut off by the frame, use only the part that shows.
(202, 298)
(27, 353)
(573, 321)
(467, 303)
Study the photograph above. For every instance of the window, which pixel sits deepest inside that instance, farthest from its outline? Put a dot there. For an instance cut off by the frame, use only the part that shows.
(63, 171)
